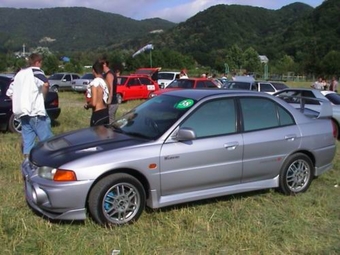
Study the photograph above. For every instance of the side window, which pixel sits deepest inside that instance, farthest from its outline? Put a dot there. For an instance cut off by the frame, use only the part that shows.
(262, 113)
(145, 81)
(214, 118)
(67, 77)
(210, 84)
(265, 87)
(200, 84)
(133, 82)
(310, 94)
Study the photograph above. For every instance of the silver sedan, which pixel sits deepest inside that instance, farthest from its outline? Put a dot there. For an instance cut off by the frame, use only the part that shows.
(180, 146)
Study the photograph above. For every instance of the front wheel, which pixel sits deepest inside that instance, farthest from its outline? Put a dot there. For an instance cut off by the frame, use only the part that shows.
(296, 174)
(54, 88)
(14, 124)
(116, 200)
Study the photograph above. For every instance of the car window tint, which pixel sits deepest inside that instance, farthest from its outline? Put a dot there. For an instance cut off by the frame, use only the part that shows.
(309, 94)
(67, 77)
(213, 118)
(200, 84)
(265, 87)
(210, 84)
(334, 98)
(145, 81)
(259, 113)
(75, 76)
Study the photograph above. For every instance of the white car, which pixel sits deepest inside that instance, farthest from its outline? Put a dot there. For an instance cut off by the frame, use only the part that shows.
(333, 97)
(164, 78)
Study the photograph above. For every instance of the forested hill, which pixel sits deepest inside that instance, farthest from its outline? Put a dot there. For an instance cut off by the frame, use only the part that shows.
(208, 35)
(73, 28)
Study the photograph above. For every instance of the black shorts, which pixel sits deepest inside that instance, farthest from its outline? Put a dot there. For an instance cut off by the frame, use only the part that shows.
(100, 117)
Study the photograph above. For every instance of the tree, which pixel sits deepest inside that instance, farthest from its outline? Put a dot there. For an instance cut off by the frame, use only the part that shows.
(330, 64)
(50, 64)
(252, 61)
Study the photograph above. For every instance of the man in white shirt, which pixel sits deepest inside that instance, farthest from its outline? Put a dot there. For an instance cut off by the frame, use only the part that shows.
(29, 87)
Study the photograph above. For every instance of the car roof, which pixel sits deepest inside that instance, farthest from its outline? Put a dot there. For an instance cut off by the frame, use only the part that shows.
(198, 94)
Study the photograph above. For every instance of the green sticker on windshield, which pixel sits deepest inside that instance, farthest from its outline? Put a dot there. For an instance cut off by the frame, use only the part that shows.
(186, 103)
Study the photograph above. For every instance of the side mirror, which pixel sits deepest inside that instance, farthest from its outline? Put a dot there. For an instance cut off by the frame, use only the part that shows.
(185, 134)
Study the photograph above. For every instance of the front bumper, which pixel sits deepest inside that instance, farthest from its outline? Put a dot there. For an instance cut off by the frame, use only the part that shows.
(55, 200)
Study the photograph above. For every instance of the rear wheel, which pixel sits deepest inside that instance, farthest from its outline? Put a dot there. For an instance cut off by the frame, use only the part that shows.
(119, 98)
(54, 88)
(14, 124)
(296, 174)
(116, 200)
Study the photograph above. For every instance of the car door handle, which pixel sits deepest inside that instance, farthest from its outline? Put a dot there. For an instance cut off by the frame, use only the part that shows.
(290, 137)
(231, 145)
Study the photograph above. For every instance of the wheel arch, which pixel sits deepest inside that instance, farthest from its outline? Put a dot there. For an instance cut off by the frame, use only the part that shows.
(307, 153)
(134, 173)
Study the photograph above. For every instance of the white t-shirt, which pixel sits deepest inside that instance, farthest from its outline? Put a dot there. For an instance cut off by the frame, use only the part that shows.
(98, 82)
(27, 97)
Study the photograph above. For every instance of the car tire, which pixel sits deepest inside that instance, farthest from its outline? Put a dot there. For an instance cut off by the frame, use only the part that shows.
(296, 174)
(119, 98)
(54, 88)
(14, 124)
(116, 200)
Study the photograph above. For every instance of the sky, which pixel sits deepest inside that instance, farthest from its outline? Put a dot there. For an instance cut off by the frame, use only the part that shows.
(171, 10)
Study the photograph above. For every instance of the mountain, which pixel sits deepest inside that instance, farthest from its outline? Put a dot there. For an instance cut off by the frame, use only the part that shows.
(70, 29)
(221, 26)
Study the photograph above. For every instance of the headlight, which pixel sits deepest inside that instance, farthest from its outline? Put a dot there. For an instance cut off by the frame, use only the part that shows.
(56, 174)
(47, 172)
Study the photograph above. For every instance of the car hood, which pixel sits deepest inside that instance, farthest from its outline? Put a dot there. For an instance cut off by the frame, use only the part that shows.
(67, 147)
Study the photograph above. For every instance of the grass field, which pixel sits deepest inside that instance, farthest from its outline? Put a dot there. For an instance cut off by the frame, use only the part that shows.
(263, 222)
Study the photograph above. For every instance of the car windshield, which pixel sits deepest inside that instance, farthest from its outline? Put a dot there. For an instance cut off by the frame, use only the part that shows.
(182, 83)
(88, 76)
(56, 76)
(166, 76)
(334, 98)
(152, 118)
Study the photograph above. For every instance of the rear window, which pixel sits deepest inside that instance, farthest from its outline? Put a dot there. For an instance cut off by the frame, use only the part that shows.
(239, 85)
(166, 76)
(334, 98)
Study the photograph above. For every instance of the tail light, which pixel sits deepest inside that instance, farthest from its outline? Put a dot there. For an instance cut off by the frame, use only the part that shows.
(335, 130)
(55, 102)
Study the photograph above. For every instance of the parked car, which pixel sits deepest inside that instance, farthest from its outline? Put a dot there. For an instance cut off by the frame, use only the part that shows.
(80, 85)
(249, 83)
(135, 86)
(166, 77)
(293, 95)
(188, 83)
(8, 121)
(62, 81)
(181, 146)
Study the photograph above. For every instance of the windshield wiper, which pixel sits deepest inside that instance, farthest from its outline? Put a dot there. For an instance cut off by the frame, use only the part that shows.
(138, 135)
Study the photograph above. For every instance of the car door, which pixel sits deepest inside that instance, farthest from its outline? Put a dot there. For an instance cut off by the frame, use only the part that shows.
(148, 86)
(269, 135)
(132, 89)
(212, 160)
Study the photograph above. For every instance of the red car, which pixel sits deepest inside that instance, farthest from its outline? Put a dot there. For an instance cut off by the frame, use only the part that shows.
(190, 83)
(135, 86)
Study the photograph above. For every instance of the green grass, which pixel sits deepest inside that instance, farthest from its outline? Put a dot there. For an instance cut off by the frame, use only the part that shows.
(263, 222)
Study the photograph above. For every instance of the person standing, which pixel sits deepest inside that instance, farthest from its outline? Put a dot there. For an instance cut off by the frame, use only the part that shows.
(111, 81)
(318, 84)
(97, 97)
(30, 87)
(333, 85)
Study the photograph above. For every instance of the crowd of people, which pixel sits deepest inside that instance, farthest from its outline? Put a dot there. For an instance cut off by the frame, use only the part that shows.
(322, 84)
(30, 86)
